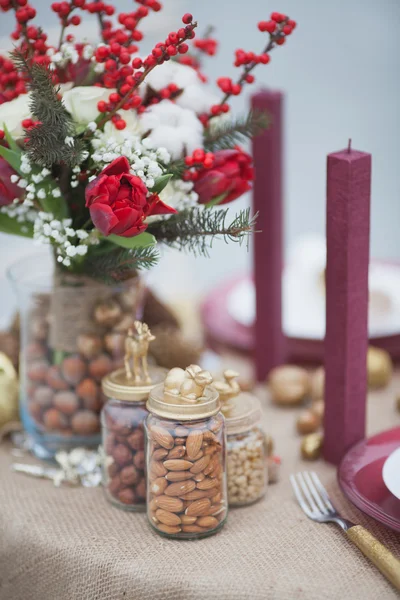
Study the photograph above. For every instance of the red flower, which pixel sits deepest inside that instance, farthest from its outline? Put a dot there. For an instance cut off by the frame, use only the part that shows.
(118, 202)
(230, 175)
(8, 190)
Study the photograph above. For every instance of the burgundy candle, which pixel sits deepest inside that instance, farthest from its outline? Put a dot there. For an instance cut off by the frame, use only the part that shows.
(346, 339)
(268, 246)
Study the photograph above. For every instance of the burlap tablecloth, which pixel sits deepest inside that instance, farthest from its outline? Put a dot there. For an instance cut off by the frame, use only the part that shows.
(70, 544)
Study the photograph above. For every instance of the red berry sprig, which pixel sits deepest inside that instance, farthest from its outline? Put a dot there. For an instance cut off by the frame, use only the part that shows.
(200, 159)
(278, 28)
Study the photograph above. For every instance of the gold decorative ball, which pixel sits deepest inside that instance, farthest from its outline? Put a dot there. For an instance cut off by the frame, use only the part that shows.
(308, 422)
(289, 385)
(311, 446)
(8, 391)
(379, 366)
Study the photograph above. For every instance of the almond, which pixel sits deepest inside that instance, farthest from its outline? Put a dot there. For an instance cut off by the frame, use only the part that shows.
(198, 508)
(180, 441)
(199, 477)
(216, 499)
(180, 488)
(200, 464)
(208, 522)
(178, 475)
(162, 436)
(176, 452)
(169, 504)
(194, 442)
(158, 486)
(194, 458)
(157, 469)
(181, 431)
(209, 436)
(209, 450)
(159, 454)
(177, 465)
(168, 518)
(197, 494)
(185, 520)
(211, 464)
(168, 528)
(206, 484)
(192, 529)
(216, 509)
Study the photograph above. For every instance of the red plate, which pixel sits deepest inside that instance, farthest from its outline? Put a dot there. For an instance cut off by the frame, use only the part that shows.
(360, 477)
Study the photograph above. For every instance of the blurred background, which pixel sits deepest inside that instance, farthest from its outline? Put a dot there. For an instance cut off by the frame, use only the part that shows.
(340, 75)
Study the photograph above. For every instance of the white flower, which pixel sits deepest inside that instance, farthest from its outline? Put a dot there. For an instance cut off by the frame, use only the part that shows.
(12, 114)
(198, 97)
(133, 126)
(172, 127)
(81, 102)
(69, 141)
(171, 72)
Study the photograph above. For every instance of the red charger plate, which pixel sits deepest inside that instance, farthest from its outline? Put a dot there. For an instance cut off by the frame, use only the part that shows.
(360, 477)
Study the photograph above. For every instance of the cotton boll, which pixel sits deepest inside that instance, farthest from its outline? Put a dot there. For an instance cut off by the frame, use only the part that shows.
(171, 72)
(161, 136)
(197, 97)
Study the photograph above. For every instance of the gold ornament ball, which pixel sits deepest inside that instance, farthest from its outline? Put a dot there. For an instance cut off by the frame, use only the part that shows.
(308, 422)
(380, 367)
(311, 446)
(8, 391)
(289, 385)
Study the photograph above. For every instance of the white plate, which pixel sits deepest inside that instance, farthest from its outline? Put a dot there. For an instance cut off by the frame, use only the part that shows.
(391, 473)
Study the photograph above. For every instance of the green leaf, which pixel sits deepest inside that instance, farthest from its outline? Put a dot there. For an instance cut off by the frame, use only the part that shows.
(13, 159)
(11, 226)
(10, 140)
(161, 183)
(143, 240)
(216, 200)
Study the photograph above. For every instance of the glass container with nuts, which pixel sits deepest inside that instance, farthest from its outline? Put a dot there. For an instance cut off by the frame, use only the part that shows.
(185, 456)
(246, 443)
(124, 473)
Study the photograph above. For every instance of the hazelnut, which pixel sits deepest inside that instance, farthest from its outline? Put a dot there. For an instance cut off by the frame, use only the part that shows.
(35, 410)
(35, 350)
(141, 489)
(109, 443)
(85, 422)
(126, 496)
(113, 470)
(122, 455)
(139, 459)
(129, 475)
(43, 396)
(115, 344)
(54, 420)
(136, 440)
(66, 402)
(115, 485)
(308, 422)
(89, 345)
(289, 385)
(100, 366)
(54, 379)
(73, 369)
(37, 371)
(107, 314)
(88, 391)
(318, 384)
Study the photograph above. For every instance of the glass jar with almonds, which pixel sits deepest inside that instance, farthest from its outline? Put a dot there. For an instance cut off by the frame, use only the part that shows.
(185, 456)
(123, 415)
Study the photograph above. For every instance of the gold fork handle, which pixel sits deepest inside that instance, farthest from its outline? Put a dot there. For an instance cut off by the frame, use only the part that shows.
(382, 558)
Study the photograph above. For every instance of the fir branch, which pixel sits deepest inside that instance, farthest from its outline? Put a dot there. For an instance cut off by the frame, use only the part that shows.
(119, 264)
(228, 134)
(195, 229)
(46, 142)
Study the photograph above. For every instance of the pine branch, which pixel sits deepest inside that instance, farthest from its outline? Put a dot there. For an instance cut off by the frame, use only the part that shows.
(119, 264)
(228, 134)
(45, 142)
(195, 229)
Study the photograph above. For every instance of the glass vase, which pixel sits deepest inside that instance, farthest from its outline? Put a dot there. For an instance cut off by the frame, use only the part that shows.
(72, 335)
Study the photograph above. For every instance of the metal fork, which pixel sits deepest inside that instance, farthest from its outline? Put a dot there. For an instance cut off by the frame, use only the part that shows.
(315, 502)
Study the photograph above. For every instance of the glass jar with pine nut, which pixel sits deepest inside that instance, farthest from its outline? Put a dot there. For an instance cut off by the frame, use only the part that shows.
(185, 458)
(246, 451)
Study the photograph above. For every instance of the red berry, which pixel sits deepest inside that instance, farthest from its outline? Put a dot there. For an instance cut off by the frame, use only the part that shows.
(270, 26)
(264, 58)
(173, 88)
(278, 17)
(292, 24)
(136, 101)
(225, 108)
(262, 25)
(236, 89)
(102, 106)
(120, 124)
(183, 48)
(157, 52)
(250, 78)
(79, 3)
(189, 161)
(124, 58)
(171, 50)
(208, 162)
(198, 155)
(187, 18)
(125, 89)
(165, 93)
(137, 63)
(281, 41)
(181, 33)
(115, 98)
(75, 20)
(215, 109)
(137, 35)
(110, 64)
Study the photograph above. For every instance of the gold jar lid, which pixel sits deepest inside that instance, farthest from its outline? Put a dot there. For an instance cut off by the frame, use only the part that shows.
(185, 395)
(117, 385)
(244, 413)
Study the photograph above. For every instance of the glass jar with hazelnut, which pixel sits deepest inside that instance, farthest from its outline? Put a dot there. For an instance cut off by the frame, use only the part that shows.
(122, 418)
(246, 451)
(185, 456)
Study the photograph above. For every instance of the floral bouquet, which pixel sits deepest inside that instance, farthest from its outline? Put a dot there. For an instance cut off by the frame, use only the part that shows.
(105, 153)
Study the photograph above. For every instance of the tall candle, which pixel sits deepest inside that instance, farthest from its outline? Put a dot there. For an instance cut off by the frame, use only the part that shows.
(268, 243)
(346, 339)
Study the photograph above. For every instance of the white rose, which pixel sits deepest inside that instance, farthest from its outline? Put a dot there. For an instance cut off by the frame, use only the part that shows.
(81, 102)
(12, 114)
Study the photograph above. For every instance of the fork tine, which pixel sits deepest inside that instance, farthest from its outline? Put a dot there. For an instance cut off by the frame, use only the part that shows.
(299, 496)
(306, 492)
(315, 493)
(322, 491)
